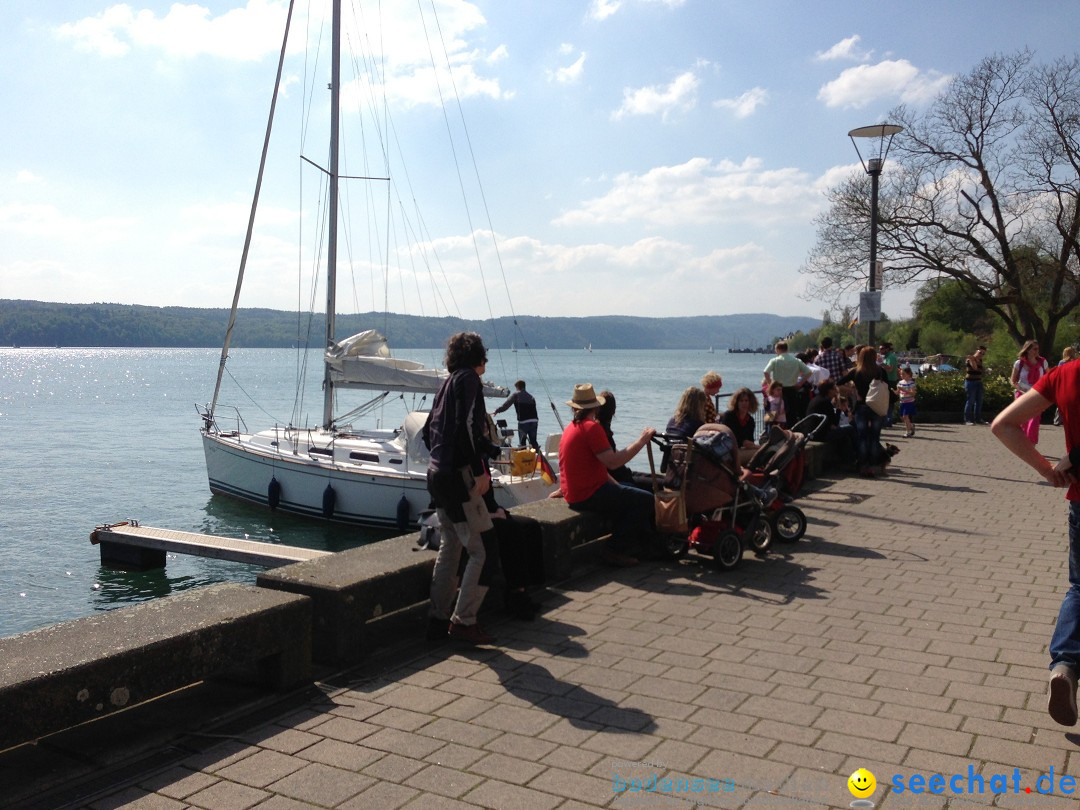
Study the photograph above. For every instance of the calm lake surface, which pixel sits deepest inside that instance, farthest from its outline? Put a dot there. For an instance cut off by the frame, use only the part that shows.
(94, 436)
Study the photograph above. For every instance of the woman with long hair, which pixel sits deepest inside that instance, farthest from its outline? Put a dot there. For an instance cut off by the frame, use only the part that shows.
(867, 422)
(1026, 371)
(690, 414)
(740, 418)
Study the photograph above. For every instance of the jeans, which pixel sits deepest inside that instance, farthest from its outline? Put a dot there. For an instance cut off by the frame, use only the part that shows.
(868, 435)
(845, 440)
(527, 432)
(629, 508)
(1065, 643)
(973, 406)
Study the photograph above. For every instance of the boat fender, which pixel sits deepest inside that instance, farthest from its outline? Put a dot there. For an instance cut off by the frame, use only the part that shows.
(328, 498)
(273, 494)
(403, 510)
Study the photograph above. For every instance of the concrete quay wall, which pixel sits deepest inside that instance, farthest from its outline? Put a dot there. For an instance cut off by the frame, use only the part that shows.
(350, 603)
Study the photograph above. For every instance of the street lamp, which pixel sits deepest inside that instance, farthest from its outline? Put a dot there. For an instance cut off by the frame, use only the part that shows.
(872, 166)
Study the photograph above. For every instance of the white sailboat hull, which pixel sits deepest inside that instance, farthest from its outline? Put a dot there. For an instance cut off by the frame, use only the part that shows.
(368, 472)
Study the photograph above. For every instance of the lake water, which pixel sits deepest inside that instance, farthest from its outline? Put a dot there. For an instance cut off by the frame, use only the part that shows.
(94, 436)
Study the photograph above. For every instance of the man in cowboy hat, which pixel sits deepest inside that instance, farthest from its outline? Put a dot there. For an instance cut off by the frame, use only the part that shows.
(585, 459)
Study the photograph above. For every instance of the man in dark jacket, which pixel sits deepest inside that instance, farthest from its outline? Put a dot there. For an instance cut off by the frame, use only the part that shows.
(528, 420)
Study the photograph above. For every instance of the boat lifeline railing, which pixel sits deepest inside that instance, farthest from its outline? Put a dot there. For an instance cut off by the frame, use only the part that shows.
(211, 418)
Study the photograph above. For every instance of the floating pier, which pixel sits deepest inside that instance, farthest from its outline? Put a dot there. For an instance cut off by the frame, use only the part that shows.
(129, 545)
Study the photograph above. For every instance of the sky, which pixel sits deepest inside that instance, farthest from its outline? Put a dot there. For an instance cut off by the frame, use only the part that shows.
(629, 157)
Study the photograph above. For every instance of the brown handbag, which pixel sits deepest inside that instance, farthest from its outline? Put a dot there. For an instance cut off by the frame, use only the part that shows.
(669, 505)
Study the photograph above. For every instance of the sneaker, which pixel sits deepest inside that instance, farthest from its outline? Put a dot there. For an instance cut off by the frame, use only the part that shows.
(469, 633)
(969, 423)
(437, 629)
(1061, 702)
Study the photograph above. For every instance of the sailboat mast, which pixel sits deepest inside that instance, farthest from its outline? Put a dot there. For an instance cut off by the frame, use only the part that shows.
(332, 212)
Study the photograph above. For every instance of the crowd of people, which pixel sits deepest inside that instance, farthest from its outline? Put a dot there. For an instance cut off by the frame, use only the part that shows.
(843, 397)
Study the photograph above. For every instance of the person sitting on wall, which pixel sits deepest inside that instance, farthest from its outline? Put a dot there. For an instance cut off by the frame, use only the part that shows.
(585, 461)
(740, 418)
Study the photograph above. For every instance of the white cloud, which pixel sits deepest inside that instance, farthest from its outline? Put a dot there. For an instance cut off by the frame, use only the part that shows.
(46, 221)
(602, 9)
(571, 74)
(844, 49)
(254, 31)
(679, 95)
(857, 87)
(701, 192)
(26, 176)
(187, 30)
(745, 105)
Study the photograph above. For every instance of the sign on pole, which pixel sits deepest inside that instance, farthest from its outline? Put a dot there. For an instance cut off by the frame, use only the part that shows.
(870, 306)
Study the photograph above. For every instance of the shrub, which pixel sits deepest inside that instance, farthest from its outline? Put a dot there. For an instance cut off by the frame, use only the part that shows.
(944, 393)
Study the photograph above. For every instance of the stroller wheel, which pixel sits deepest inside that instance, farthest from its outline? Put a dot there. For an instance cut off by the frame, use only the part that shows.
(727, 550)
(761, 539)
(789, 524)
(675, 546)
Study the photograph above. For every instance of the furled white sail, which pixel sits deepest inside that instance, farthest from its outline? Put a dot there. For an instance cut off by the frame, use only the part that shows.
(364, 361)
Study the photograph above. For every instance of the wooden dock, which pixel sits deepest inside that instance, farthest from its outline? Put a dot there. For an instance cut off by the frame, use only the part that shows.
(129, 545)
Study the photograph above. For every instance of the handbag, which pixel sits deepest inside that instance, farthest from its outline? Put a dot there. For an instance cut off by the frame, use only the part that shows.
(877, 397)
(669, 505)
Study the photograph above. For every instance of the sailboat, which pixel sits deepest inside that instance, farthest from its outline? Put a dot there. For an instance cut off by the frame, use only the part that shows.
(335, 471)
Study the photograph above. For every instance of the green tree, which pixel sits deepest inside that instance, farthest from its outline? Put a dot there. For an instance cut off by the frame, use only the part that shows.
(981, 188)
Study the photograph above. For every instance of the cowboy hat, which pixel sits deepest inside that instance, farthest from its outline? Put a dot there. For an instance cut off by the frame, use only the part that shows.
(584, 398)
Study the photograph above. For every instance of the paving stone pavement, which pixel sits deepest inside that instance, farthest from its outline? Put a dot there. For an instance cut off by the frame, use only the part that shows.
(905, 634)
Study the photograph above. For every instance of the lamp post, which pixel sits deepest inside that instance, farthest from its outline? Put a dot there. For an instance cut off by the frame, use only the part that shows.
(872, 166)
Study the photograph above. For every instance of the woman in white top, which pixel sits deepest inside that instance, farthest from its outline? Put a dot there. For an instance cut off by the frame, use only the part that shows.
(1026, 371)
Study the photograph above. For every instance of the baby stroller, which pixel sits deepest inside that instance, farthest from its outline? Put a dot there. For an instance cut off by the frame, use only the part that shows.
(779, 459)
(722, 513)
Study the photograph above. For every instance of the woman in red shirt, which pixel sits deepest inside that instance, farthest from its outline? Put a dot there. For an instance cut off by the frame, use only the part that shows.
(585, 459)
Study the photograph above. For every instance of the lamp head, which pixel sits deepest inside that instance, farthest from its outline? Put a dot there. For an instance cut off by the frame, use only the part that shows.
(874, 163)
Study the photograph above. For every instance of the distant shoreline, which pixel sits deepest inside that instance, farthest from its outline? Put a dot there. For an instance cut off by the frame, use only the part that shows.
(51, 325)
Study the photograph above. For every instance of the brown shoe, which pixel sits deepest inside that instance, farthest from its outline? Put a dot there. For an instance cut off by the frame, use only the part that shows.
(470, 634)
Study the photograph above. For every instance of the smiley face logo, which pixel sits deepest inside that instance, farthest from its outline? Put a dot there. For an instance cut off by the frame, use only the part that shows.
(862, 784)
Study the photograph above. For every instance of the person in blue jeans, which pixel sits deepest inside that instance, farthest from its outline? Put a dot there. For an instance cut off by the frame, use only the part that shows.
(1060, 387)
(973, 387)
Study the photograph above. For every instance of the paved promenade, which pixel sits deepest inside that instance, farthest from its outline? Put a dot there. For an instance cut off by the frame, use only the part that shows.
(905, 634)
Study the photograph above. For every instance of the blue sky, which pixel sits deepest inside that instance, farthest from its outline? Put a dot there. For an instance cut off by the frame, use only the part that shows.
(640, 157)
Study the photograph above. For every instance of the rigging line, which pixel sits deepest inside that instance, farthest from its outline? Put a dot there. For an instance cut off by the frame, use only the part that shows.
(269, 415)
(487, 214)
(453, 150)
(251, 215)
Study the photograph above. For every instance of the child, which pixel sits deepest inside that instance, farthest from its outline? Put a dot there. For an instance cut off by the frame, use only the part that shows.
(774, 405)
(906, 389)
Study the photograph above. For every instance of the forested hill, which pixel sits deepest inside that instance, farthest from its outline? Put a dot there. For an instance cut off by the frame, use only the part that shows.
(37, 323)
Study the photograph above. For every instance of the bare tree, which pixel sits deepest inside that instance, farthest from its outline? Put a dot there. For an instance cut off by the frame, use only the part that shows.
(981, 187)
